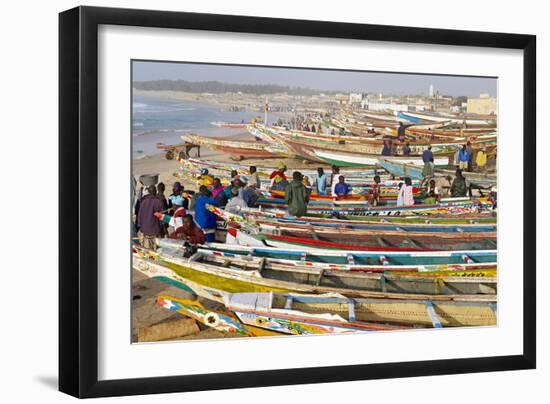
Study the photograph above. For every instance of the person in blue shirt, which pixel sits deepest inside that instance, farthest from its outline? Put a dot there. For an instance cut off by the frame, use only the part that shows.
(321, 182)
(428, 159)
(427, 155)
(341, 189)
(203, 217)
(463, 158)
(386, 151)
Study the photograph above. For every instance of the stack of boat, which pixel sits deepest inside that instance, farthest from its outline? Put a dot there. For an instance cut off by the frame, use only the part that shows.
(346, 266)
(276, 274)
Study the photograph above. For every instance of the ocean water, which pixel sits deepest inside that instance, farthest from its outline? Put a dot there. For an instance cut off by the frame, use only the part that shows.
(165, 120)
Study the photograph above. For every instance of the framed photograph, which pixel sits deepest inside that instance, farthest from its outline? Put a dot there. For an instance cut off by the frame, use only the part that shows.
(251, 202)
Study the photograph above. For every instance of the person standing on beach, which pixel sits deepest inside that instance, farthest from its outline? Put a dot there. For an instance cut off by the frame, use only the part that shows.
(470, 151)
(428, 159)
(386, 150)
(463, 158)
(459, 187)
(375, 192)
(203, 217)
(405, 196)
(296, 196)
(254, 180)
(161, 188)
(278, 178)
(321, 182)
(401, 132)
(177, 189)
(217, 187)
(406, 150)
(149, 226)
(481, 159)
(333, 180)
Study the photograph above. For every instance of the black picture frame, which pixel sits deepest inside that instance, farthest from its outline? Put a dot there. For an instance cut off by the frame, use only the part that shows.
(78, 175)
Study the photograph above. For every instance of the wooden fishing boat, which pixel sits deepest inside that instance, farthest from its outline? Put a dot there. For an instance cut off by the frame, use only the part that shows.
(415, 117)
(241, 125)
(304, 146)
(472, 206)
(251, 325)
(236, 280)
(315, 224)
(238, 149)
(346, 159)
(273, 311)
(482, 180)
(441, 219)
(351, 256)
(214, 319)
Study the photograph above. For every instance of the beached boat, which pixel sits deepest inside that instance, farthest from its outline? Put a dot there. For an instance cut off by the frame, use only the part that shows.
(472, 206)
(211, 318)
(241, 125)
(353, 159)
(273, 311)
(234, 280)
(238, 149)
(252, 324)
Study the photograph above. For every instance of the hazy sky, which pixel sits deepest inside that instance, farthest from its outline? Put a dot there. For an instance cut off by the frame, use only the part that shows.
(388, 83)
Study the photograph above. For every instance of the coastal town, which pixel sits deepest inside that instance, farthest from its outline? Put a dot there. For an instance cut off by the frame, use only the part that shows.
(309, 213)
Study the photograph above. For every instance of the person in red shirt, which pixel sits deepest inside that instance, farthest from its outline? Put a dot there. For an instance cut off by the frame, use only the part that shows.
(189, 232)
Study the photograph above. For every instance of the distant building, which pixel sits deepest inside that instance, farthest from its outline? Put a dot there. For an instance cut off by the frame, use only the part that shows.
(431, 91)
(483, 105)
(355, 98)
(381, 106)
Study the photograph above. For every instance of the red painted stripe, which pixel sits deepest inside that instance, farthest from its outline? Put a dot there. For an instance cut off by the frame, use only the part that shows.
(340, 246)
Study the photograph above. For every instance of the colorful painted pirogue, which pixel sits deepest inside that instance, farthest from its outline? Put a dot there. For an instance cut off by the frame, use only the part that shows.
(415, 172)
(239, 149)
(488, 217)
(305, 145)
(249, 324)
(474, 206)
(273, 311)
(429, 271)
(234, 279)
(195, 310)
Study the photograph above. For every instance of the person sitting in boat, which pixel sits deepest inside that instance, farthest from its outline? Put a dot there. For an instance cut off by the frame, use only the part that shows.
(278, 178)
(341, 189)
(321, 182)
(204, 178)
(406, 150)
(386, 150)
(296, 195)
(203, 217)
(375, 191)
(433, 193)
(191, 234)
(405, 196)
(459, 187)
(313, 128)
